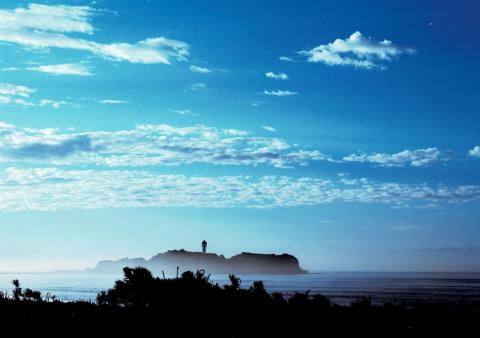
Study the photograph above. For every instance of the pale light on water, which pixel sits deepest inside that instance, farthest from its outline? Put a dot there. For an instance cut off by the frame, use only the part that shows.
(341, 287)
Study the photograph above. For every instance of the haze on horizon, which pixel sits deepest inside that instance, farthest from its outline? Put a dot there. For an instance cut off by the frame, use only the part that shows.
(339, 133)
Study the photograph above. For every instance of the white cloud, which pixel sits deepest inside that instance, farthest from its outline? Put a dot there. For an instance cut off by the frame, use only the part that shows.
(10, 69)
(357, 51)
(279, 92)
(52, 103)
(475, 152)
(199, 87)
(56, 104)
(276, 76)
(64, 69)
(50, 189)
(184, 112)
(45, 26)
(151, 50)
(15, 90)
(353, 181)
(202, 70)
(285, 58)
(112, 101)
(415, 158)
(165, 145)
(234, 132)
(16, 95)
(59, 18)
(150, 145)
(22, 102)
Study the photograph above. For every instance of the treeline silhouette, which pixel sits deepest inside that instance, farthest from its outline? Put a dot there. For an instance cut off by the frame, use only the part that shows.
(192, 305)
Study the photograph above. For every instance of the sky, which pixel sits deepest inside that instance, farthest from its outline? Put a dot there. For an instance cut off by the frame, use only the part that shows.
(347, 135)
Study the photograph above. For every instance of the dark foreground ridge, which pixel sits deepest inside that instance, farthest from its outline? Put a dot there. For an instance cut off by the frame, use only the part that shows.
(192, 306)
(244, 263)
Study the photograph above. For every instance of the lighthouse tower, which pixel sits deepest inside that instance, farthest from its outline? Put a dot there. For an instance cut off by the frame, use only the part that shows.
(204, 247)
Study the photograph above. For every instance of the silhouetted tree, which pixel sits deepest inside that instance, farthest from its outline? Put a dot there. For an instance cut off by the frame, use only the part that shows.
(321, 301)
(32, 295)
(258, 289)
(277, 298)
(299, 299)
(136, 303)
(17, 291)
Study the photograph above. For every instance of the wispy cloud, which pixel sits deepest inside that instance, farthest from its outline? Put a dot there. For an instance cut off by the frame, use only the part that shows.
(48, 26)
(10, 69)
(415, 158)
(269, 128)
(199, 87)
(276, 76)
(21, 96)
(285, 59)
(197, 69)
(11, 94)
(64, 69)
(56, 104)
(357, 51)
(113, 101)
(15, 90)
(153, 145)
(184, 112)
(475, 152)
(50, 189)
(279, 92)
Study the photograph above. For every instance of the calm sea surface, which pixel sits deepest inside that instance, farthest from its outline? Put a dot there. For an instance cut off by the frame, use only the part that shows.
(341, 287)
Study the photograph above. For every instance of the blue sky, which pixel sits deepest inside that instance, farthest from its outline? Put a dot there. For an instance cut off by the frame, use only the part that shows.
(347, 135)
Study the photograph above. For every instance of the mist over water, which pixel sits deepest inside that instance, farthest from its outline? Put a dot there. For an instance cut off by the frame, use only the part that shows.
(341, 287)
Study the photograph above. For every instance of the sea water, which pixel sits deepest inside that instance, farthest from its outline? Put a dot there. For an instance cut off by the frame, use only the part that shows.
(340, 287)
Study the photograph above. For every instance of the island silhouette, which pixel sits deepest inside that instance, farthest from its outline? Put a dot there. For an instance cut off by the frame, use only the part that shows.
(182, 260)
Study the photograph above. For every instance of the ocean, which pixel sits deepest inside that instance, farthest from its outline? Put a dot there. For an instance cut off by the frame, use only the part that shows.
(340, 287)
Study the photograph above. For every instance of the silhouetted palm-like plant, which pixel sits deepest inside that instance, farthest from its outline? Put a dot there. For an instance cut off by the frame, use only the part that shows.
(17, 291)
(235, 282)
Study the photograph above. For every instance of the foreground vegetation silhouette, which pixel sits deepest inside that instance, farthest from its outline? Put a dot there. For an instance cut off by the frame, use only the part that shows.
(191, 305)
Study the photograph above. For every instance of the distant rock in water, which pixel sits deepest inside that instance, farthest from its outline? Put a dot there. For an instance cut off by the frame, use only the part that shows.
(244, 263)
(265, 264)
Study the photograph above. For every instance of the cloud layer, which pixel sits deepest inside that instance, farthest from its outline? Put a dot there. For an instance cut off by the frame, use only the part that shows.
(166, 145)
(49, 26)
(149, 145)
(415, 158)
(357, 51)
(54, 189)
